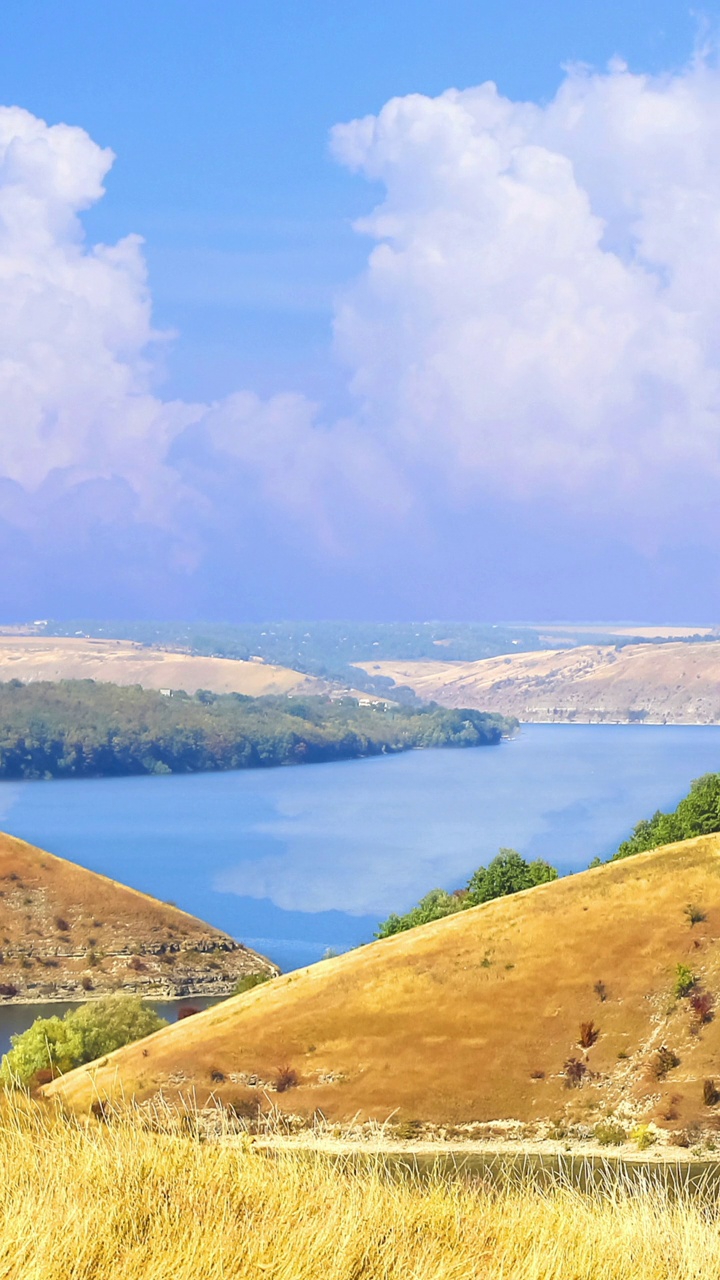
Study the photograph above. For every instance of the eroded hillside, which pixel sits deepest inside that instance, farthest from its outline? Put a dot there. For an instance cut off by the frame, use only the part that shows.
(559, 1002)
(672, 683)
(67, 933)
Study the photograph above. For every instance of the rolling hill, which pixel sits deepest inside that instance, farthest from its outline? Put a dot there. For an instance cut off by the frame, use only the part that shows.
(121, 662)
(674, 683)
(67, 933)
(474, 1018)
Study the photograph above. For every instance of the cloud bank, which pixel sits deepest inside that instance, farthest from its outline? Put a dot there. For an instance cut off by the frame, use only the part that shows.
(533, 351)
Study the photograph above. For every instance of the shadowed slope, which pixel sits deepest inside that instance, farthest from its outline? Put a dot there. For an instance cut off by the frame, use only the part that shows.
(66, 933)
(472, 1017)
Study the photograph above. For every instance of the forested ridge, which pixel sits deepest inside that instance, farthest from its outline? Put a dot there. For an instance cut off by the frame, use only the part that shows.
(77, 728)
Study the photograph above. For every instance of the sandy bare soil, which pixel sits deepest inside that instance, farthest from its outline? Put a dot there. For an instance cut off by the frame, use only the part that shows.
(672, 683)
(122, 662)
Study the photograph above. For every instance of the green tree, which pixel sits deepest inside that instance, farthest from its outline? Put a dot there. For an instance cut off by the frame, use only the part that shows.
(507, 873)
(81, 1036)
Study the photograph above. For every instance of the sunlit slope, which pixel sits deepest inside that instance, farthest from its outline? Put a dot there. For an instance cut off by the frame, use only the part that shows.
(121, 662)
(675, 683)
(68, 933)
(472, 1017)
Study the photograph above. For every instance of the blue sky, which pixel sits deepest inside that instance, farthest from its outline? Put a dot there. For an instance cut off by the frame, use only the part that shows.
(347, 497)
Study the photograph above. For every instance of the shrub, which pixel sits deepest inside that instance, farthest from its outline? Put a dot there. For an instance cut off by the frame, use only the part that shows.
(702, 1004)
(588, 1035)
(685, 980)
(136, 964)
(574, 1070)
(600, 991)
(62, 925)
(663, 1060)
(86, 982)
(187, 1011)
(216, 1076)
(609, 1134)
(711, 1094)
(286, 1078)
(695, 914)
(643, 1137)
(81, 1036)
(8, 990)
(249, 981)
(537, 1075)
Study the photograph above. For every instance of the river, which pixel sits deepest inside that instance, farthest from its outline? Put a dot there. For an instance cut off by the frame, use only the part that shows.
(297, 860)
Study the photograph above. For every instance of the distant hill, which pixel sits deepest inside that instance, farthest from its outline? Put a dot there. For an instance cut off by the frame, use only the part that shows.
(68, 933)
(479, 1016)
(31, 658)
(670, 683)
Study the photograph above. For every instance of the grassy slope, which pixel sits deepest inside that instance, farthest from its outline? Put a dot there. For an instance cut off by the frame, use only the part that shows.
(121, 662)
(678, 683)
(38, 889)
(448, 1022)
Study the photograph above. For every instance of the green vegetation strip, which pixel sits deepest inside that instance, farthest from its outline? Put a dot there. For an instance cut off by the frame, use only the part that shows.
(80, 729)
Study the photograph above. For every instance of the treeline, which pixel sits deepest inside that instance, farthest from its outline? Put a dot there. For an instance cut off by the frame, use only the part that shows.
(323, 649)
(80, 729)
(698, 814)
(507, 873)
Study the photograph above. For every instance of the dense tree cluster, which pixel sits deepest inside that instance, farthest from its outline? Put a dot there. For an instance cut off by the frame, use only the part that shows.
(79, 728)
(698, 814)
(507, 873)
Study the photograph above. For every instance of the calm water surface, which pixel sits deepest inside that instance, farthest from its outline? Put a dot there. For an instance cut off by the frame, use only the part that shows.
(295, 860)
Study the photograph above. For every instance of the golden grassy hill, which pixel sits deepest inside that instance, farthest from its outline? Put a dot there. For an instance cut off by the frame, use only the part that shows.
(66, 932)
(474, 1017)
(673, 683)
(123, 662)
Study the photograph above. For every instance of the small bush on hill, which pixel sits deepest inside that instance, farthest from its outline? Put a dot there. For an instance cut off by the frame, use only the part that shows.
(662, 1061)
(643, 1137)
(609, 1134)
(600, 991)
(711, 1093)
(695, 914)
(588, 1035)
(685, 980)
(59, 1044)
(574, 1070)
(285, 1079)
(702, 1004)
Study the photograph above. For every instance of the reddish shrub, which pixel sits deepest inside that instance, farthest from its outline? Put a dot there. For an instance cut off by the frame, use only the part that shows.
(62, 924)
(574, 1070)
(285, 1079)
(711, 1094)
(588, 1034)
(7, 989)
(186, 1011)
(702, 1005)
(137, 964)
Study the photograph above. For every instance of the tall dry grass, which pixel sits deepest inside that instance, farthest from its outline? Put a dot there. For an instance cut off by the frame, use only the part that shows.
(120, 1203)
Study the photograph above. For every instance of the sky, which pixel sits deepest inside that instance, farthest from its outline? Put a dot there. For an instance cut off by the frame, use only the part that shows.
(384, 310)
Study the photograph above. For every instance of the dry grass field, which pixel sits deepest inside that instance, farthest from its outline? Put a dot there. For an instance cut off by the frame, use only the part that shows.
(122, 662)
(108, 1202)
(474, 1018)
(67, 933)
(671, 683)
